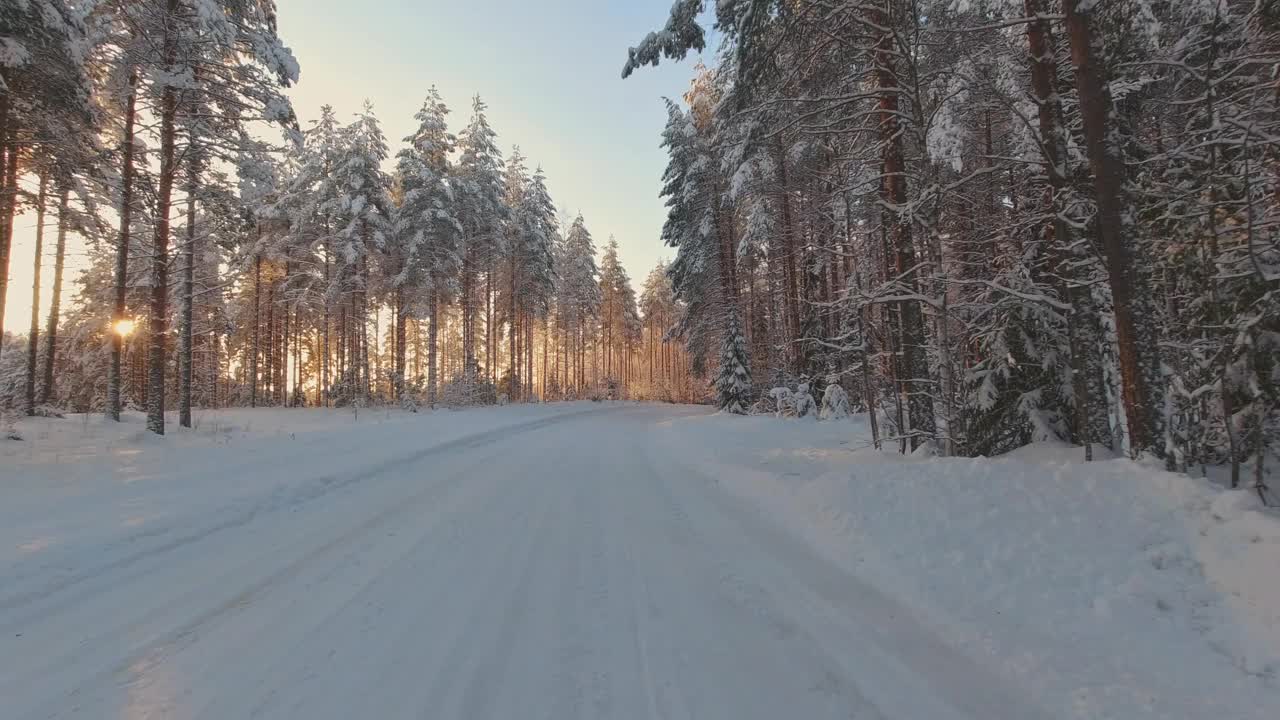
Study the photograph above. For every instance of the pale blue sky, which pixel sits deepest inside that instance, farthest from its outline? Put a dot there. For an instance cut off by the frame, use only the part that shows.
(548, 69)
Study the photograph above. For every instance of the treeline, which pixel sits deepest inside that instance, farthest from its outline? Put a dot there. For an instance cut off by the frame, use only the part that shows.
(225, 268)
(990, 221)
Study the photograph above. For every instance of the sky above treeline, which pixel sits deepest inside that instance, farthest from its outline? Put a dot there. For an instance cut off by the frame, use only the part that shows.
(550, 72)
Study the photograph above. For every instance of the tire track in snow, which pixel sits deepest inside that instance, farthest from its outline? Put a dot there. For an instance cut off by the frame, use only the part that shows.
(140, 661)
(244, 513)
(143, 659)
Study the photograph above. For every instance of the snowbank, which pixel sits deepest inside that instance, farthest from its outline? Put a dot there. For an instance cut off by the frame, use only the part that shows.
(1108, 589)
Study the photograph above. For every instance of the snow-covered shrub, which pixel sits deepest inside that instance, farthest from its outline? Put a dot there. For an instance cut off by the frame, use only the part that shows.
(803, 403)
(409, 401)
(48, 411)
(470, 388)
(835, 402)
(782, 401)
(13, 373)
(8, 426)
(342, 391)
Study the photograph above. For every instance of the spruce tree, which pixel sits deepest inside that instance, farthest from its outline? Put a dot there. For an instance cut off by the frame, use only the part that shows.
(733, 381)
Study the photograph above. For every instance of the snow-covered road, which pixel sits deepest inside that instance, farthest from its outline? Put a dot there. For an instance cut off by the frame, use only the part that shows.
(572, 564)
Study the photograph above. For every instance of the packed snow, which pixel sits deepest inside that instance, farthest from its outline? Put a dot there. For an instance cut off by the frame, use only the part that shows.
(623, 560)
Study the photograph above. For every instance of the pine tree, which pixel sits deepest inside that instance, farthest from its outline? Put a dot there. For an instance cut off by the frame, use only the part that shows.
(482, 213)
(579, 299)
(365, 209)
(426, 228)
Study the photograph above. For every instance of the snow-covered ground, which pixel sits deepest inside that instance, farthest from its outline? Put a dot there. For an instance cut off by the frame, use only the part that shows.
(614, 561)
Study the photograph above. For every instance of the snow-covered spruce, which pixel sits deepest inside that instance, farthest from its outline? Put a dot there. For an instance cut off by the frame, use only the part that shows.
(835, 401)
(733, 381)
(802, 402)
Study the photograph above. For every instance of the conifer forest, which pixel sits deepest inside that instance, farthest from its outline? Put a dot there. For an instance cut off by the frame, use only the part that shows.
(989, 222)
(622, 359)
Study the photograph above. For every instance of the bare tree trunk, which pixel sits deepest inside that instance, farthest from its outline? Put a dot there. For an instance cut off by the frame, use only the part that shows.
(286, 336)
(433, 335)
(791, 284)
(400, 337)
(324, 353)
(271, 376)
(159, 321)
(915, 372)
(372, 345)
(257, 330)
(468, 308)
(362, 336)
(55, 303)
(489, 334)
(511, 316)
(33, 338)
(417, 348)
(186, 295)
(1085, 366)
(122, 251)
(340, 347)
(215, 365)
(8, 195)
(1227, 388)
(1135, 331)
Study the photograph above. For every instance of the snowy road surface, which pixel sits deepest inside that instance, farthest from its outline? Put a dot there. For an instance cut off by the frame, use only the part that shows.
(569, 565)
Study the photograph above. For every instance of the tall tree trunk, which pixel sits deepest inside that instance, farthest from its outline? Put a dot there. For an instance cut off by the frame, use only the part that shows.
(1216, 291)
(468, 308)
(511, 315)
(159, 322)
(489, 335)
(791, 298)
(915, 371)
(1086, 369)
(417, 348)
(215, 365)
(363, 336)
(284, 391)
(186, 295)
(324, 354)
(33, 337)
(401, 321)
(257, 328)
(340, 347)
(122, 251)
(375, 377)
(1134, 316)
(8, 193)
(433, 335)
(271, 376)
(55, 302)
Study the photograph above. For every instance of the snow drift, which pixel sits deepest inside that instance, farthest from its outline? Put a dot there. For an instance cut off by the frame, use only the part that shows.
(1109, 589)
